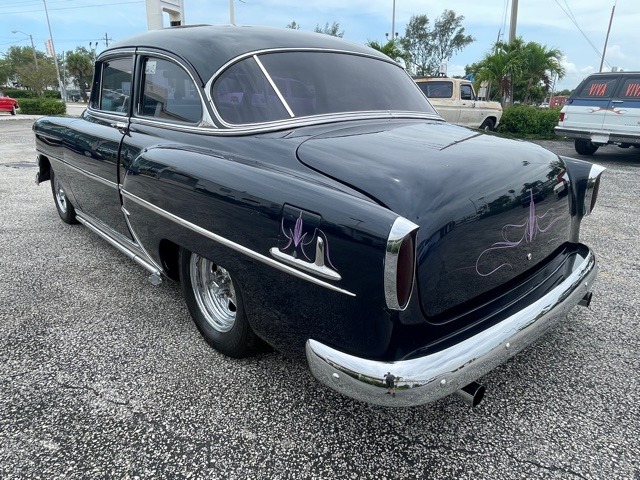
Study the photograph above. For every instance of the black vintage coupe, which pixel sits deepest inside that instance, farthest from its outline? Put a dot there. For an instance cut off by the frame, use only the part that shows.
(305, 193)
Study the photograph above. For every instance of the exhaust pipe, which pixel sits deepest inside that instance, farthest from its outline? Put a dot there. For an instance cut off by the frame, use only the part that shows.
(472, 394)
(586, 300)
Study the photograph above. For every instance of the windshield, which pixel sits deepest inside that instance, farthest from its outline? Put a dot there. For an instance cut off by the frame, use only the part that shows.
(300, 84)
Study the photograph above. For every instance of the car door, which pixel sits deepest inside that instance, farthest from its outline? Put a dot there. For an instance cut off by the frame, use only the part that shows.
(623, 114)
(94, 145)
(470, 116)
(167, 109)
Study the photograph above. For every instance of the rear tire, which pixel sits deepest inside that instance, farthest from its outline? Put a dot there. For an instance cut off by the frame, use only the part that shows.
(585, 147)
(488, 125)
(63, 205)
(214, 300)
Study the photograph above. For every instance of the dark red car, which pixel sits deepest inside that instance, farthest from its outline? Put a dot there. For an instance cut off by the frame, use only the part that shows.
(8, 104)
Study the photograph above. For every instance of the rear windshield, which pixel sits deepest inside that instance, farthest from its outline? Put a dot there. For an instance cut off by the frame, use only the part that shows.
(277, 86)
(437, 89)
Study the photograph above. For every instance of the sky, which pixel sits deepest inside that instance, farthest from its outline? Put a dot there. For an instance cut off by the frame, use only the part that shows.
(576, 27)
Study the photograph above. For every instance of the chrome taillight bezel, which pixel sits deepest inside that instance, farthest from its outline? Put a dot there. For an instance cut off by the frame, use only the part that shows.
(400, 263)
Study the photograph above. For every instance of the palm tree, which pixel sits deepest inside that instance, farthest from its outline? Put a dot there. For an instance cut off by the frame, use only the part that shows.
(541, 65)
(391, 49)
(516, 62)
(501, 66)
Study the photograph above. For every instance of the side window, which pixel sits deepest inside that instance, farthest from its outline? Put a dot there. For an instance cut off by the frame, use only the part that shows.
(599, 87)
(168, 92)
(115, 88)
(466, 92)
(630, 89)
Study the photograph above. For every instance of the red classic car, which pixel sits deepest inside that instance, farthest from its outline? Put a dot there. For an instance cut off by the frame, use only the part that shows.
(8, 104)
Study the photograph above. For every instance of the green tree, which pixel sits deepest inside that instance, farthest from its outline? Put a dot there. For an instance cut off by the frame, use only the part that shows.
(293, 25)
(333, 30)
(79, 64)
(448, 36)
(391, 49)
(18, 67)
(417, 44)
(428, 47)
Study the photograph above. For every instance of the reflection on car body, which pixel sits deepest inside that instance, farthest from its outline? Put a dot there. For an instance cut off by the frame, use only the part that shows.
(336, 218)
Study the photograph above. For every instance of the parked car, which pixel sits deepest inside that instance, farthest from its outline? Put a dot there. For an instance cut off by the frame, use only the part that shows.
(8, 104)
(336, 218)
(456, 100)
(603, 110)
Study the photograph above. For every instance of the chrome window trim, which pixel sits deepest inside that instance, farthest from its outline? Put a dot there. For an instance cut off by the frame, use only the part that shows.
(230, 244)
(400, 229)
(205, 119)
(115, 54)
(274, 86)
(269, 126)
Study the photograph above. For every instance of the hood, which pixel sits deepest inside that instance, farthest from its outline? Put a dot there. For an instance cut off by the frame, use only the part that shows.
(488, 208)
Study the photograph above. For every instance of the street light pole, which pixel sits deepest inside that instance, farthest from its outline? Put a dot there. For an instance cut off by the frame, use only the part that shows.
(33, 47)
(63, 92)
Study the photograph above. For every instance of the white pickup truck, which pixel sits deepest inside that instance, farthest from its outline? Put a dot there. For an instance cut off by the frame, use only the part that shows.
(456, 101)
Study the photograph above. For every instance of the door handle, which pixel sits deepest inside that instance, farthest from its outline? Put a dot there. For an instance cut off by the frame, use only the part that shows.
(121, 127)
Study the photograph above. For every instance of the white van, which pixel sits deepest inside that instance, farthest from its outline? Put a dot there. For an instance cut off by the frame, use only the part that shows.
(604, 109)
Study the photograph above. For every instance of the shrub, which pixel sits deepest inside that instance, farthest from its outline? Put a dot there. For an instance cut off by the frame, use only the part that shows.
(522, 120)
(17, 93)
(51, 94)
(42, 106)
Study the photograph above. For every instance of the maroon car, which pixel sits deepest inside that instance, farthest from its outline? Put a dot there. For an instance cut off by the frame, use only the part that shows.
(8, 104)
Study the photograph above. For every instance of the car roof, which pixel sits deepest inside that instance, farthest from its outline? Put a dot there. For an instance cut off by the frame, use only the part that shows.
(209, 47)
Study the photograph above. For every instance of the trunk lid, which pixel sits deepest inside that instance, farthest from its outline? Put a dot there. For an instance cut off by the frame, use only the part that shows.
(490, 210)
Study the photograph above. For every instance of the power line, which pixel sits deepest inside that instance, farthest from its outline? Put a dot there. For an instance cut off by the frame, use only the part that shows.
(575, 22)
(76, 7)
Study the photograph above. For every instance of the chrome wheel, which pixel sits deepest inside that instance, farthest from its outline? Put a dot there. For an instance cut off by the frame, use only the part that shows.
(214, 293)
(60, 196)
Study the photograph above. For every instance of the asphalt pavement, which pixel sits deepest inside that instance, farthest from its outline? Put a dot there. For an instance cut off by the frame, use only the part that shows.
(103, 375)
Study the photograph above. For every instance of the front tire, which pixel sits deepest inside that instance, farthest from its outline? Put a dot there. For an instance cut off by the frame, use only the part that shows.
(488, 125)
(13, 110)
(585, 147)
(63, 205)
(214, 300)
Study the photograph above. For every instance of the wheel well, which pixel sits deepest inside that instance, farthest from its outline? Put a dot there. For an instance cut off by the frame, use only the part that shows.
(44, 167)
(169, 252)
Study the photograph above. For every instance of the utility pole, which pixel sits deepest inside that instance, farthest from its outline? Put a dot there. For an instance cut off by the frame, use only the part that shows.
(512, 37)
(33, 47)
(514, 20)
(604, 51)
(63, 91)
(106, 40)
(393, 22)
(232, 19)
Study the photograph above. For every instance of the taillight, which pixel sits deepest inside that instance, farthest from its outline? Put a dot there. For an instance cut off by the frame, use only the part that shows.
(400, 263)
(562, 116)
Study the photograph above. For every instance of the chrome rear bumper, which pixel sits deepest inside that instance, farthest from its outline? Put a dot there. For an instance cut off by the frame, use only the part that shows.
(428, 378)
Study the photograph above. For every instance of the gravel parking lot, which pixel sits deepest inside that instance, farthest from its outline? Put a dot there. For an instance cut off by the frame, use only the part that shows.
(103, 375)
